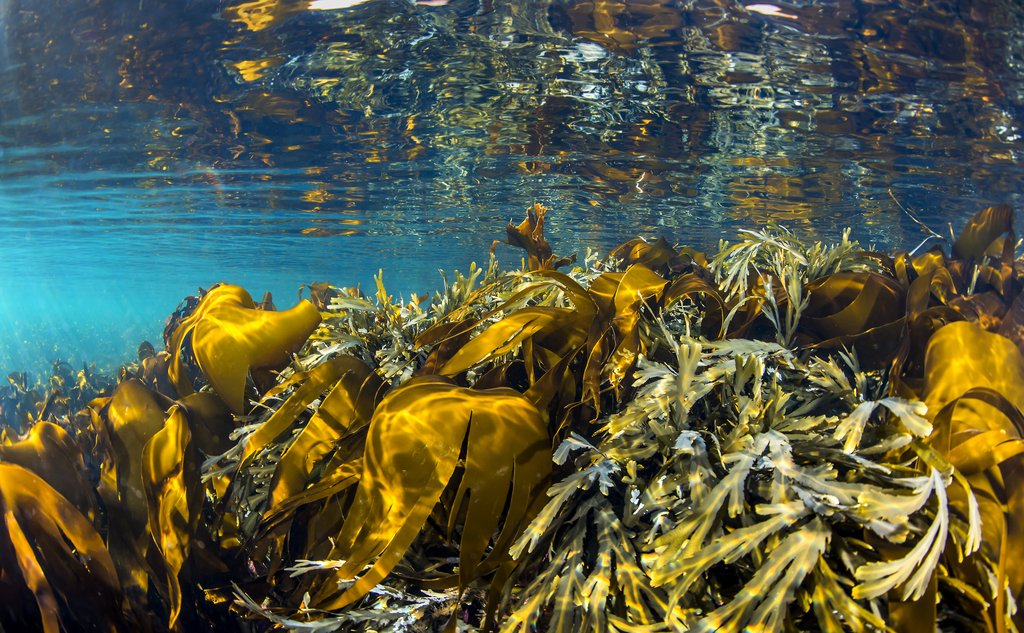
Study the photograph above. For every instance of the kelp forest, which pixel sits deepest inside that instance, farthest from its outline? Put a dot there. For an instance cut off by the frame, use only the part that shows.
(780, 436)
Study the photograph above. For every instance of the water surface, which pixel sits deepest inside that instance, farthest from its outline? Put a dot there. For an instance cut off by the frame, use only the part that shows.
(150, 148)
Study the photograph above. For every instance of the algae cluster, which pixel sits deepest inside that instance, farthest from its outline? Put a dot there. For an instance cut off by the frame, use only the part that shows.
(783, 436)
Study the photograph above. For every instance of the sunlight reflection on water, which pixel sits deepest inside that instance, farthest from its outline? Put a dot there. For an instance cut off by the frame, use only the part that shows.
(149, 150)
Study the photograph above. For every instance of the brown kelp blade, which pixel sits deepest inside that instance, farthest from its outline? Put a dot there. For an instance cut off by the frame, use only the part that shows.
(658, 255)
(529, 236)
(211, 422)
(689, 286)
(58, 555)
(311, 385)
(563, 330)
(347, 408)
(860, 310)
(507, 334)
(131, 417)
(174, 495)
(619, 294)
(974, 383)
(413, 447)
(615, 341)
(984, 231)
(48, 451)
(986, 250)
(229, 336)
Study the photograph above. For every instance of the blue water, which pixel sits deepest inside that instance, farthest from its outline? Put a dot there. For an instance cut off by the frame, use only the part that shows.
(149, 149)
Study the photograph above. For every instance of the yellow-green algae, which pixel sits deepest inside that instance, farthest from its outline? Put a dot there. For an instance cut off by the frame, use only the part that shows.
(780, 437)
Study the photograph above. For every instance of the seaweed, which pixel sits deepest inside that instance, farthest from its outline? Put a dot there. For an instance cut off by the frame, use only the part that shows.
(779, 436)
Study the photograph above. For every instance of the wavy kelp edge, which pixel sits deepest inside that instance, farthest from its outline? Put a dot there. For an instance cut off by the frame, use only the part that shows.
(779, 436)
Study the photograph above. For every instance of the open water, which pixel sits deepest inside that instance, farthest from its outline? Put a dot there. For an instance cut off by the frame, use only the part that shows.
(148, 148)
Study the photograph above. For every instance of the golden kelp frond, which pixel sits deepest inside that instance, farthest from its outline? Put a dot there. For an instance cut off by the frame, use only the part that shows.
(659, 256)
(211, 422)
(342, 394)
(51, 552)
(131, 417)
(174, 497)
(542, 323)
(974, 383)
(508, 333)
(346, 409)
(712, 312)
(600, 321)
(529, 236)
(988, 233)
(309, 386)
(152, 370)
(321, 294)
(963, 356)
(228, 336)
(620, 299)
(863, 311)
(49, 452)
(425, 436)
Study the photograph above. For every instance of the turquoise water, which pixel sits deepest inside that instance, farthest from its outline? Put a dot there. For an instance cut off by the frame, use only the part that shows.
(149, 149)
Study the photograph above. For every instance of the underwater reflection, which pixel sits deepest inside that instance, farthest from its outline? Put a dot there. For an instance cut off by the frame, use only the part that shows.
(267, 138)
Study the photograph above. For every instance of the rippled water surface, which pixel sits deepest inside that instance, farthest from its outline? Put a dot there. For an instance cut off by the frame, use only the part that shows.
(148, 148)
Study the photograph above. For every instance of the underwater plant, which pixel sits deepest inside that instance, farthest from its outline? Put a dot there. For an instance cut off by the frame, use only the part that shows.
(24, 401)
(781, 436)
(229, 337)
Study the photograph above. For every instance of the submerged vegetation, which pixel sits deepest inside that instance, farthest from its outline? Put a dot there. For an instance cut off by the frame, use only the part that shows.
(783, 436)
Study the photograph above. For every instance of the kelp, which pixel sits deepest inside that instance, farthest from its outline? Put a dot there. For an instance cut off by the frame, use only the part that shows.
(420, 436)
(55, 555)
(529, 236)
(779, 436)
(228, 336)
(974, 383)
(24, 401)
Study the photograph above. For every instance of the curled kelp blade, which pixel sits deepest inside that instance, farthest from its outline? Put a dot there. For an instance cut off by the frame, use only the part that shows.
(618, 294)
(174, 497)
(229, 336)
(311, 385)
(983, 235)
(57, 555)
(984, 252)
(691, 285)
(974, 386)
(47, 450)
(529, 236)
(211, 422)
(334, 482)
(563, 330)
(509, 333)
(413, 447)
(859, 310)
(657, 255)
(615, 339)
(151, 369)
(131, 417)
(962, 356)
